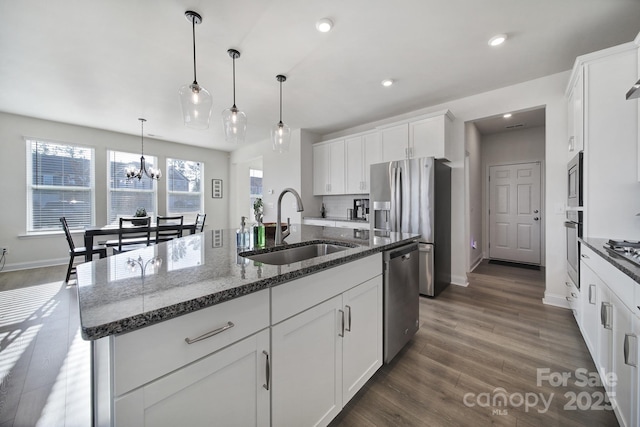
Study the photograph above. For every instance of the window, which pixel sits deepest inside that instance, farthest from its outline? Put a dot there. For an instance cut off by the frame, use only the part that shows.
(184, 188)
(60, 182)
(126, 196)
(255, 181)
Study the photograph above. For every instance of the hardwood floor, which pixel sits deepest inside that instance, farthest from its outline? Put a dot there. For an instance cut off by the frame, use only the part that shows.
(476, 358)
(44, 363)
(473, 343)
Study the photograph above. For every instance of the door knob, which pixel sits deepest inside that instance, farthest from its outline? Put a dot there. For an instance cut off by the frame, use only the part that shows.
(535, 218)
(535, 211)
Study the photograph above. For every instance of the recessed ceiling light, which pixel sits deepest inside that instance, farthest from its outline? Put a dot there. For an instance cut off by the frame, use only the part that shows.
(387, 82)
(497, 40)
(324, 25)
(506, 116)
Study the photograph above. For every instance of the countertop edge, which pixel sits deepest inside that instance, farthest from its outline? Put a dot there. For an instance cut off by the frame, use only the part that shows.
(153, 317)
(596, 245)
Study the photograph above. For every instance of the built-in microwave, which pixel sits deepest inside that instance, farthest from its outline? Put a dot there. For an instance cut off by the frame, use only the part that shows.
(574, 182)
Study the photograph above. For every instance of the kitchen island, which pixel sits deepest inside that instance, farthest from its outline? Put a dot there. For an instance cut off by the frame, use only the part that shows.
(190, 331)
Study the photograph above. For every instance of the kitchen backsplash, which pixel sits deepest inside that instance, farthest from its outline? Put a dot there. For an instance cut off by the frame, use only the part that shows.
(337, 206)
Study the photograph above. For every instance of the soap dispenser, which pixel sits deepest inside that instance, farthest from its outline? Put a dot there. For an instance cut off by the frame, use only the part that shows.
(242, 234)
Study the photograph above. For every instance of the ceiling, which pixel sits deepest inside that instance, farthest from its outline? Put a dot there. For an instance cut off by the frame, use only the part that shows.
(517, 120)
(105, 63)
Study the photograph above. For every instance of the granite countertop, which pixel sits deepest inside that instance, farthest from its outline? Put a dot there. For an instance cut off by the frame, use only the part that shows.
(627, 267)
(125, 292)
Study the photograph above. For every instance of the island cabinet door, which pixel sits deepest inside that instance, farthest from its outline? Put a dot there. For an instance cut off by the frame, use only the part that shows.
(227, 388)
(307, 366)
(362, 347)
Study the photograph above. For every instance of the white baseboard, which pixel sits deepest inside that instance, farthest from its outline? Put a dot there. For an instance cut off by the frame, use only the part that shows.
(37, 264)
(475, 264)
(459, 281)
(555, 300)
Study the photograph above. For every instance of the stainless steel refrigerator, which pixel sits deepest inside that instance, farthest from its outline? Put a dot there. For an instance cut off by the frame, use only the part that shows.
(414, 196)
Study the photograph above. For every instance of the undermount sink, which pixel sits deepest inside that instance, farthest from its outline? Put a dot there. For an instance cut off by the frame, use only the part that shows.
(296, 253)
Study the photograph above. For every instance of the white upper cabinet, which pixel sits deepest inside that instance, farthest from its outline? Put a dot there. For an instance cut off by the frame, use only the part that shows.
(329, 168)
(395, 142)
(424, 136)
(361, 152)
(575, 116)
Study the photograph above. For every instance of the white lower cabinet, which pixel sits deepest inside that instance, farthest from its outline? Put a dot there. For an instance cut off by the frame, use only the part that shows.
(610, 328)
(226, 388)
(324, 355)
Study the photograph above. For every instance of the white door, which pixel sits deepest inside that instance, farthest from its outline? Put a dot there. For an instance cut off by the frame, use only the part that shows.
(307, 366)
(372, 155)
(225, 388)
(354, 165)
(622, 394)
(362, 348)
(395, 142)
(321, 159)
(514, 213)
(336, 168)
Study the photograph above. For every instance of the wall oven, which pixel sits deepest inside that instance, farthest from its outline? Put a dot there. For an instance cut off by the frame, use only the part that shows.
(574, 182)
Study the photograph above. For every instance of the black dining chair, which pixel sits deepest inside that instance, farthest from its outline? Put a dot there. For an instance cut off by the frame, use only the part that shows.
(200, 222)
(80, 251)
(168, 227)
(133, 233)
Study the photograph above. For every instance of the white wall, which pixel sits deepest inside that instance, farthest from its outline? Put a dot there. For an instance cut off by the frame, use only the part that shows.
(31, 251)
(280, 170)
(548, 92)
(517, 146)
(473, 141)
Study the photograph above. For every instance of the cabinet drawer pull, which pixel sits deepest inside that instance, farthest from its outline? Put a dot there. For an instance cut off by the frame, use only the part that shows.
(348, 328)
(267, 369)
(573, 294)
(567, 284)
(592, 299)
(605, 315)
(341, 334)
(568, 299)
(229, 325)
(627, 350)
(585, 256)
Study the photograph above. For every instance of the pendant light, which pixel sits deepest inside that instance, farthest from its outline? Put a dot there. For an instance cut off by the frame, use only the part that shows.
(196, 101)
(131, 171)
(281, 133)
(234, 121)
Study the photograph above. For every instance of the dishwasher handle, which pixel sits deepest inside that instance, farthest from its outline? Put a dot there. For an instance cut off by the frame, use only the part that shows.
(403, 251)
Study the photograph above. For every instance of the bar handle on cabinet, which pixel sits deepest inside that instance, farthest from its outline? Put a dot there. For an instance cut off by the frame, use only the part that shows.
(341, 334)
(585, 256)
(348, 328)
(267, 370)
(573, 294)
(592, 299)
(567, 284)
(229, 325)
(627, 350)
(602, 313)
(605, 315)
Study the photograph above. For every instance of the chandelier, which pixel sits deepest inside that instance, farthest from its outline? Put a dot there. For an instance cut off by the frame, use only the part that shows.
(131, 171)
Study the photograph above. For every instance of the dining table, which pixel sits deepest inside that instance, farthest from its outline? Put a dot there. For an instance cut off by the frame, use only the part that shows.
(113, 229)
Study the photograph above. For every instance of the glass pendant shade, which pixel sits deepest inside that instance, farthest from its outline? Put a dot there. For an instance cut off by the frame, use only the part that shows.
(234, 122)
(280, 137)
(280, 133)
(196, 104)
(195, 100)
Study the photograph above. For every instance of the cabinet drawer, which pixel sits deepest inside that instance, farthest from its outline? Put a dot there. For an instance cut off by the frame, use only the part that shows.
(618, 282)
(146, 354)
(294, 297)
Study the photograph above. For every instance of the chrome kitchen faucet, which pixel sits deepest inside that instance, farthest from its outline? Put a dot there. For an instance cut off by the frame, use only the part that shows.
(280, 235)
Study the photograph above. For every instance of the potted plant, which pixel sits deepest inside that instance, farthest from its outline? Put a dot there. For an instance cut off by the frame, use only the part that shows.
(140, 213)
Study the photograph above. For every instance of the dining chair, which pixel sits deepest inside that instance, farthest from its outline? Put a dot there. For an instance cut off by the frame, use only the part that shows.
(80, 251)
(168, 227)
(200, 222)
(132, 236)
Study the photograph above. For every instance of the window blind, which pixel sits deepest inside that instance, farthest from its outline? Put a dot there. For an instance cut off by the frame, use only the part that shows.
(60, 182)
(184, 188)
(126, 196)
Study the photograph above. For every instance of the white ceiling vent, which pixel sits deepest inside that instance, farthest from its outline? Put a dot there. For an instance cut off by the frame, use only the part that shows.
(517, 125)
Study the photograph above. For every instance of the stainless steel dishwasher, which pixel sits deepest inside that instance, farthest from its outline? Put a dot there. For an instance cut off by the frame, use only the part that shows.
(401, 298)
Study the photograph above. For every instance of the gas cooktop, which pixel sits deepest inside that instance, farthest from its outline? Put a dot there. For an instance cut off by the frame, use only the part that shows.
(627, 249)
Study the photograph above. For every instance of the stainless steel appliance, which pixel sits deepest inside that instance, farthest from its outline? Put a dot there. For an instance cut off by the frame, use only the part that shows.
(401, 311)
(574, 221)
(361, 209)
(574, 182)
(627, 249)
(414, 196)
